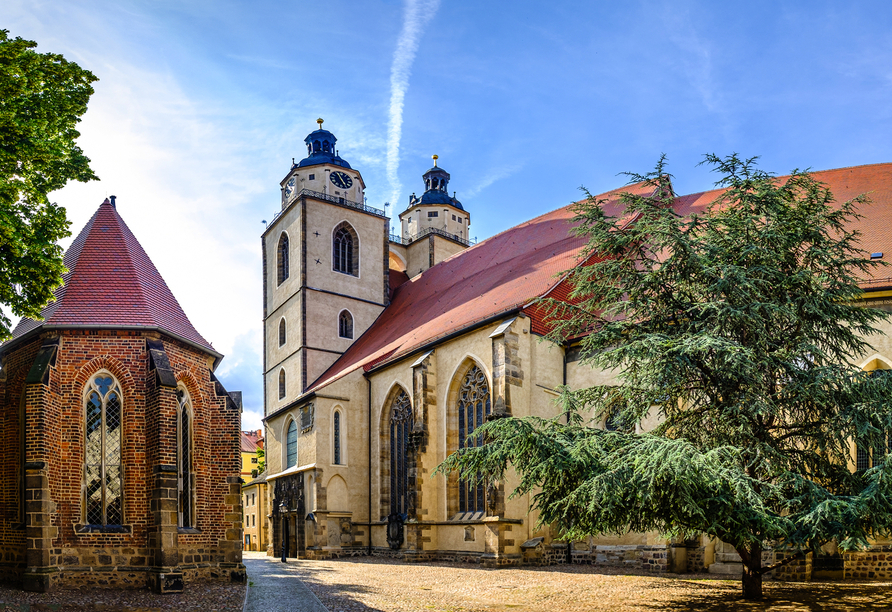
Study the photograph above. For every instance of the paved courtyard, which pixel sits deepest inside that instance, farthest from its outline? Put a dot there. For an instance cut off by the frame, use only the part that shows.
(389, 586)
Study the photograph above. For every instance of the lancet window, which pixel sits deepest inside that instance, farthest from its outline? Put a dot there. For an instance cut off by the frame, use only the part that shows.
(337, 437)
(103, 490)
(473, 408)
(345, 250)
(291, 445)
(282, 259)
(400, 426)
(345, 325)
(282, 333)
(281, 384)
(185, 470)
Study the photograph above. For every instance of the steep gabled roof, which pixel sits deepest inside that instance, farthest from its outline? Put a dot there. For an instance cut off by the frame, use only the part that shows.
(111, 282)
(496, 276)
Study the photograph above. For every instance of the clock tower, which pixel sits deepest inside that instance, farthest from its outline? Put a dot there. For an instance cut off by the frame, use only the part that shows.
(325, 275)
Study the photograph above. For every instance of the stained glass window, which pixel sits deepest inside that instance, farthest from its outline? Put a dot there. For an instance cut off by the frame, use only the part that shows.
(345, 255)
(291, 445)
(473, 408)
(282, 259)
(185, 484)
(103, 491)
(337, 437)
(400, 426)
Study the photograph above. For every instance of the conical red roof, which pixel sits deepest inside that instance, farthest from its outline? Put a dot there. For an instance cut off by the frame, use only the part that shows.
(111, 282)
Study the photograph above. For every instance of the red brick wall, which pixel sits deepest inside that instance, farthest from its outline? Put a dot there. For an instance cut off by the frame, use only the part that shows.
(56, 435)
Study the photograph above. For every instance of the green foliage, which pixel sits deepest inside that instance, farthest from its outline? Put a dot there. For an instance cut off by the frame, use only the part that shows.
(261, 461)
(734, 329)
(42, 97)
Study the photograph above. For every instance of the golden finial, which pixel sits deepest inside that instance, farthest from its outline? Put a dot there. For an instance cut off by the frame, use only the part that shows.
(435, 158)
(319, 121)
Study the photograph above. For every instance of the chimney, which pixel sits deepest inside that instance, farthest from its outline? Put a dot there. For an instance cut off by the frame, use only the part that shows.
(112, 198)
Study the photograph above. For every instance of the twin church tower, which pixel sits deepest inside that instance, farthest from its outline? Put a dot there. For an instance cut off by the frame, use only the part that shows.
(330, 263)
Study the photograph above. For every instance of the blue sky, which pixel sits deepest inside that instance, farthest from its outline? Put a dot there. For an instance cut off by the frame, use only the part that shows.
(201, 106)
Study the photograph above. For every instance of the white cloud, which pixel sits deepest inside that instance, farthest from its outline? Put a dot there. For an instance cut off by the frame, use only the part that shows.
(417, 15)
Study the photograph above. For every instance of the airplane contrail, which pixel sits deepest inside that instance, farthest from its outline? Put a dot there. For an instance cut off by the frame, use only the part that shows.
(418, 14)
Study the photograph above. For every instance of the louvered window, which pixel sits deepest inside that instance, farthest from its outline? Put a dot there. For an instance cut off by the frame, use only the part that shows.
(103, 491)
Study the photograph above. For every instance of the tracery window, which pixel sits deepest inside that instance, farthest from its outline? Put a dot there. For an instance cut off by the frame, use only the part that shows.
(281, 384)
(473, 408)
(185, 476)
(866, 457)
(345, 250)
(291, 445)
(337, 437)
(345, 325)
(400, 426)
(103, 492)
(282, 259)
(282, 335)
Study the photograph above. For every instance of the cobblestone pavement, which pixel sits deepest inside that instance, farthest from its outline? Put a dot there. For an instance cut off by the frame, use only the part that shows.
(392, 586)
(273, 586)
(197, 597)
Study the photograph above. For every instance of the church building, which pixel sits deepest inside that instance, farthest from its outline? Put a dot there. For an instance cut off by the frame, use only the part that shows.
(383, 353)
(121, 447)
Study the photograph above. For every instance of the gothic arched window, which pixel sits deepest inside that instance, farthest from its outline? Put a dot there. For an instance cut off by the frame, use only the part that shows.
(103, 491)
(282, 259)
(291, 445)
(282, 336)
(317, 146)
(865, 456)
(345, 250)
(400, 426)
(337, 437)
(185, 475)
(345, 325)
(473, 408)
(281, 384)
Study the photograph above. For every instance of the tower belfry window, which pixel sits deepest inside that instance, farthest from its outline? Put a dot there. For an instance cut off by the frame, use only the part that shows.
(345, 250)
(282, 259)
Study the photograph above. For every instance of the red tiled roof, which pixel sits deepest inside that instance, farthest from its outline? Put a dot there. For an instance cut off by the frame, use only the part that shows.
(499, 275)
(251, 441)
(112, 282)
(397, 278)
(505, 272)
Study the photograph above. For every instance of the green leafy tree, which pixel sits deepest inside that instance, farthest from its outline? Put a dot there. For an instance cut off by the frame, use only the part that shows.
(261, 461)
(736, 328)
(42, 97)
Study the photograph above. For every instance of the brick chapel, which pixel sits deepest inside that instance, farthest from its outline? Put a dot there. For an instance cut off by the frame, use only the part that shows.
(121, 447)
(383, 353)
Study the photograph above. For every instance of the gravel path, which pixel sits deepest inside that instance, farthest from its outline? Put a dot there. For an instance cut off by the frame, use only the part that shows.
(392, 586)
(200, 597)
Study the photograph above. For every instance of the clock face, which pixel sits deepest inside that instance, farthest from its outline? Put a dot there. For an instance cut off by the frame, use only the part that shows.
(341, 180)
(289, 187)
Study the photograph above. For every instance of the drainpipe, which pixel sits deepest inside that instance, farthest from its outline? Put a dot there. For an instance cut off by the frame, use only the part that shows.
(569, 543)
(369, 387)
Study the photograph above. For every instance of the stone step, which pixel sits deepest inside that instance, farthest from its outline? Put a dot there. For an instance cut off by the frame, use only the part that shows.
(725, 557)
(731, 569)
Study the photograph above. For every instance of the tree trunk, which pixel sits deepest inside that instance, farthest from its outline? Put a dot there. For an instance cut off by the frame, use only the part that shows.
(752, 573)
